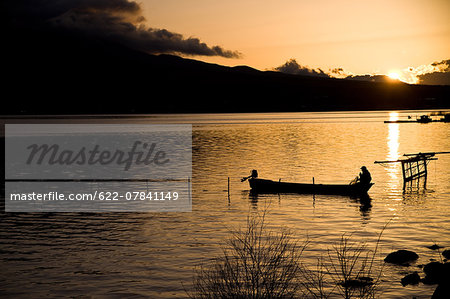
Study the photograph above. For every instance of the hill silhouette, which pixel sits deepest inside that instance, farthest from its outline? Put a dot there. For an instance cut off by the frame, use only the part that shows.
(53, 72)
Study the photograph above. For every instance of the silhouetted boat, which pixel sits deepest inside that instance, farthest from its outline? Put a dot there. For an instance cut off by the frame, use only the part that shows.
(423, 119)
(269, 186)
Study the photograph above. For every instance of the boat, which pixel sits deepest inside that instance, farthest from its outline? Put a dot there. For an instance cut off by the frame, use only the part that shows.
(424, 119)
(268, 186)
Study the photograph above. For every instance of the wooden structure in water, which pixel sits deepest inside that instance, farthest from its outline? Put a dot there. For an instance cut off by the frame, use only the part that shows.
(414, 166)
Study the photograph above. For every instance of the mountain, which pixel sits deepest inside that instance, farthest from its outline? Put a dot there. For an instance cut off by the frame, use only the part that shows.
(52, 72)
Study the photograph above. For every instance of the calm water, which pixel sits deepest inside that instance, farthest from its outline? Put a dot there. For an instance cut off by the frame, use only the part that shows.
(153, 254)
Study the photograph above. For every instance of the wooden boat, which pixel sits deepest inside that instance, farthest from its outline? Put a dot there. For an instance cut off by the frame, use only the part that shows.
(269, 186)
(423, 119)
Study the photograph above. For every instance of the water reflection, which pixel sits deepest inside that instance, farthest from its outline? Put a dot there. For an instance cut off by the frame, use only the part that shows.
(365, 207)
(364, 201)
(253, 198)
(393, 116)
(393, 144)
(415, 195)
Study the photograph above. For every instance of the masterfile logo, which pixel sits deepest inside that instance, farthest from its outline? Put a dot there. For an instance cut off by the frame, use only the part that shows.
(53, 154)
(117, 167)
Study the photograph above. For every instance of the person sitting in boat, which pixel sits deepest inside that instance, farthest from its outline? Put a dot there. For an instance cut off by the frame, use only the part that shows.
(364, 176)
(253, 175)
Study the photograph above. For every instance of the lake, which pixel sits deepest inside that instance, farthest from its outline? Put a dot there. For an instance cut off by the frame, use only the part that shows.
(153, 254)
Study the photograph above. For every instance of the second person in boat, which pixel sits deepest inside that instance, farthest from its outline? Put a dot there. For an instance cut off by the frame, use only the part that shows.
(364, 176)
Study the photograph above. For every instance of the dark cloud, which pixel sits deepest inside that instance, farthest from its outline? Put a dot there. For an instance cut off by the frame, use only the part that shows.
(444, 63)
(341, 73)
(113, 20)
(436, 78)
(337, 71)
(436, 73)
(292, 67)
(440, 75)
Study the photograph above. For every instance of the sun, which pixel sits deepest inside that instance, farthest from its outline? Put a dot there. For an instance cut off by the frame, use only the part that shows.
(394, 76)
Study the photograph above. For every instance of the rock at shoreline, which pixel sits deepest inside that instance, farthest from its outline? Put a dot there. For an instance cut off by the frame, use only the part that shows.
(434, 247)
(442, 277)
(442, 291)
(401, 257)
(413, 278)
(436, 272)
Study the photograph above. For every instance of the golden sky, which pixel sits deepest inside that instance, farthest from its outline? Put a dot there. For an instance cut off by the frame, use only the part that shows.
(363, 37)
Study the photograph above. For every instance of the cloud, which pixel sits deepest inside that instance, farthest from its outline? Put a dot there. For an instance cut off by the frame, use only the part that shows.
(444, 65)
(292, 67)
(436, 78)
(118, 21)
(437, 73)
(337, 71)
(344, 74)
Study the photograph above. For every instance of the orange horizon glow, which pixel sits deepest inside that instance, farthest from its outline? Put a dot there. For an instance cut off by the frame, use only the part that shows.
(361, 37)
(394, 75)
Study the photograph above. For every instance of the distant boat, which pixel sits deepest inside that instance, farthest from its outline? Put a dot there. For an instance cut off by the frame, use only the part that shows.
(269, 186)
(423, 119)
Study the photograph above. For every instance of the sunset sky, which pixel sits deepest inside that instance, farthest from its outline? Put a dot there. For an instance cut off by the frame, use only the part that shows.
(404, 39)
(362, 37)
